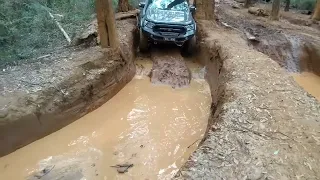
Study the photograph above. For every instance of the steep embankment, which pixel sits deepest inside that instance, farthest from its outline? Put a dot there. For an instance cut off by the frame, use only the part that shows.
(43, 96)
(263, 124)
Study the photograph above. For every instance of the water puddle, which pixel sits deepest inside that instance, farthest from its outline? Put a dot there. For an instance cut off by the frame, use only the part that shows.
(154, 128)
(309, 82)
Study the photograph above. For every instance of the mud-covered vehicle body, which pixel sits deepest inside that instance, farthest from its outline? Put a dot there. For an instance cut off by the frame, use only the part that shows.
(167, 21)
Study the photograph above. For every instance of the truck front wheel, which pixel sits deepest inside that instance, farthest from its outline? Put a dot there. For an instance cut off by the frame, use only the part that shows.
(143, 42)
(190, 46)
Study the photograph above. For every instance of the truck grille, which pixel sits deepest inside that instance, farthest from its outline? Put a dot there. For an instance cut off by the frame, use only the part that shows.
(169, 30)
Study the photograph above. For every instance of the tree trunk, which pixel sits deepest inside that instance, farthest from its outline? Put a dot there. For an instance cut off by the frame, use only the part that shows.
(205, 9)
(316, 12)
(275, 12)
(106, 24)
(123, 6)
(287, 7)
(247, 3)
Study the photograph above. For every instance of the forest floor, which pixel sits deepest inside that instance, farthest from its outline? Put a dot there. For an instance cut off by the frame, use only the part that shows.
(284, 40)
(265, 125)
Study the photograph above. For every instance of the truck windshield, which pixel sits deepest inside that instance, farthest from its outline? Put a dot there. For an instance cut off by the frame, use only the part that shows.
(177, 5)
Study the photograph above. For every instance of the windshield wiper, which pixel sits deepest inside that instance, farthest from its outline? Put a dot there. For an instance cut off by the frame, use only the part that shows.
(174, 3)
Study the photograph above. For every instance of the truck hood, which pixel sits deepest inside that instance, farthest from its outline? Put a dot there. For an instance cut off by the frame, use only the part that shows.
(168, 16)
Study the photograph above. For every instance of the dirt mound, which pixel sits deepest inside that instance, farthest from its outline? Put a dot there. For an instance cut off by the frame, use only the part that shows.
(282, 41)
(310, 58)
(41, 97)
(264, 125)
(169, 68)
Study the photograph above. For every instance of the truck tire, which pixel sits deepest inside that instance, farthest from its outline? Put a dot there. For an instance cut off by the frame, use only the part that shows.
(143, 42)
(190, 46)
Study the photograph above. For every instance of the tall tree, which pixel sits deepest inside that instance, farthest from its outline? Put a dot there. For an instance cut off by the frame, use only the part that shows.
(287, 7)
(205, 9)
(275, 12)
(106, 24)
(123, 6)
(247, 3)
(316, 12)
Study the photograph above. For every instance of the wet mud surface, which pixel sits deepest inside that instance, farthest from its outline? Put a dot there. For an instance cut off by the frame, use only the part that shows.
(309, 82)
(169, 67)
(146, 131)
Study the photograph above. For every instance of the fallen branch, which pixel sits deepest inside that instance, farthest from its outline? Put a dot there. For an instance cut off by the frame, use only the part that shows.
(60, 27)
(245, 129)
(126, 15)
(193, 143)
(123, 168)
(44, 56)
(286, 135)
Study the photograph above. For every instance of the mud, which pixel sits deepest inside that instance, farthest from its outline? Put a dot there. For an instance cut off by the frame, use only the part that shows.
(169, 67)
(41, 97)
(293, 47)
(263, 126)
(310, 58)
(282, 41)
(309, 82)
(154, 128)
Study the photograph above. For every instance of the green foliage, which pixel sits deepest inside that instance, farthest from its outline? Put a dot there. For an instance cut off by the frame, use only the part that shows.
(27, 30)
(134, 3)
(303, 4)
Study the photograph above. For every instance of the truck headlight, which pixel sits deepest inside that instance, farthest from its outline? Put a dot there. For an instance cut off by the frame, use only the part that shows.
(149, 24)
(190, 27)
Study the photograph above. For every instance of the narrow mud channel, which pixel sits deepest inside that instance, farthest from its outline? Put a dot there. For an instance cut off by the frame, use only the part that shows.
(309, 82)
(154, 128)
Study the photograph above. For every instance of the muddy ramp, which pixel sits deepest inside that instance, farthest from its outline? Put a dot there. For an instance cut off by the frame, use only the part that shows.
(169, 67)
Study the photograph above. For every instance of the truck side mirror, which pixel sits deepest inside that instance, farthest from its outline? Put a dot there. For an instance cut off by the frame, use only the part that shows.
(142, 4)
(192, 8)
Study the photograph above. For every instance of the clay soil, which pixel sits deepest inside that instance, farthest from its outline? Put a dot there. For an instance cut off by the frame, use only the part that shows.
(293, 42)
(42, 95)
(263, 125)
(169, 67)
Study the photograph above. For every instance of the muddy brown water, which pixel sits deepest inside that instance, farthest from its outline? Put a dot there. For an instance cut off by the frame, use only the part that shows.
(309, 82)
(153, 127)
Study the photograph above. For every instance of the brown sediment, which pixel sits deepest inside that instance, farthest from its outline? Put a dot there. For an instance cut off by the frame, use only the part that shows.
(259, 109)
(155, 128)
(310, 82)
(98, 76)
(310, 58)
(169, 68)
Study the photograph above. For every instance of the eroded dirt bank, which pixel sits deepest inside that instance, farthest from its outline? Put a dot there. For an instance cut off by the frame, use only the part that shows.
(148, 128)
(293, 46)
(43, 96)
(264, 125)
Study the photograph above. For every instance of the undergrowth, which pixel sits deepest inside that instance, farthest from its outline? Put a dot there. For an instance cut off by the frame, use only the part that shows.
(28, 31)
(303, 4)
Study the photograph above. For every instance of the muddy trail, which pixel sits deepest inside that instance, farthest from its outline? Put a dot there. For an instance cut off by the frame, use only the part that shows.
(230, 112)
(293, 45)
(146, 131)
